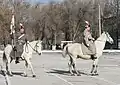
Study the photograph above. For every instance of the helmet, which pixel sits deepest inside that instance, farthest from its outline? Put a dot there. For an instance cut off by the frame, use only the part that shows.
(87, 22)
(21, 26)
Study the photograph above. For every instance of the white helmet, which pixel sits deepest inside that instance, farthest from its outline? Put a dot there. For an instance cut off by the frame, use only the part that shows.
(87, 22)
(21, 24)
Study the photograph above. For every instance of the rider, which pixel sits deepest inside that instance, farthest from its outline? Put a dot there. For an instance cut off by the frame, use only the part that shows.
(89, 40)
(21, 40)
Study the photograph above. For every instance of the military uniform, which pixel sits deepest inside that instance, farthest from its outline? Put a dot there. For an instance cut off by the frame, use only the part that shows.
(20, 41)
(89, 42)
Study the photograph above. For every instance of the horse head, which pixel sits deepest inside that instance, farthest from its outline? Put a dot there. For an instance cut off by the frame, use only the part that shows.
(109, 38)
(38, 47)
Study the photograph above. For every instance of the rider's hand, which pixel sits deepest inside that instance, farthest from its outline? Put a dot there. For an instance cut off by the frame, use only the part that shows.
(88, 45)
(93, 39)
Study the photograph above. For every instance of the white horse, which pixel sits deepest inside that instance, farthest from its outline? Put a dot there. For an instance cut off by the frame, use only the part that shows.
(28, 49)
(74, 51)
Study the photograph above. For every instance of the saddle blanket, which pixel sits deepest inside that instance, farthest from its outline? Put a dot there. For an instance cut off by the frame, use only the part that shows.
(86, 50)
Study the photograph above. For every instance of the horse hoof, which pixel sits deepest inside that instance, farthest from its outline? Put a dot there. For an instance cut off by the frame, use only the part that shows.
(72, 74)
(96, 74)
(11, 75)
(78, 75)
(34, 76)
(92, 74)
(25, 75)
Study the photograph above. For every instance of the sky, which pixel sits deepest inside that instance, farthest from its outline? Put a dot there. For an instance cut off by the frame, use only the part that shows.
(42, 1)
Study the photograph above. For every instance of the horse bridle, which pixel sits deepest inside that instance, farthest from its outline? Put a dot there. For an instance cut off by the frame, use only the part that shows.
(102, 40)
(35, 47)
(107, 36)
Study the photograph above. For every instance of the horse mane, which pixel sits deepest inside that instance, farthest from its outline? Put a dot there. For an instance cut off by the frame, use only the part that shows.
(101, 37)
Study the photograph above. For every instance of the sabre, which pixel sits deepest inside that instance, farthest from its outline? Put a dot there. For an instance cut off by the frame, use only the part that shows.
(12, 28)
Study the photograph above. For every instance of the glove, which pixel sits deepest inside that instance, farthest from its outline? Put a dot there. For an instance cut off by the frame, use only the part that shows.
(93, 39)
(88, 45)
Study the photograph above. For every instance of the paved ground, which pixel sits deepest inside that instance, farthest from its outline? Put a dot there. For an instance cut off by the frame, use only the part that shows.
(52, 69)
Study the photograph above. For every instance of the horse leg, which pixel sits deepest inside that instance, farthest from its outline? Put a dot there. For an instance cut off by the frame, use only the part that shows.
(25, 70)
(70, 66)
(29, 62)
(8, 68)
(74, 66)
(94, 67)
(11, 59)
(96, 73)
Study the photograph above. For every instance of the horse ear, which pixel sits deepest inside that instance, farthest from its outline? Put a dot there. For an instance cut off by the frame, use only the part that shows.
(105, 31)
(40, 40)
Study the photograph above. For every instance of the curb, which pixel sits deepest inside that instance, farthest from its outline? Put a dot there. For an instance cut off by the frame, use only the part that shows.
(59, 51)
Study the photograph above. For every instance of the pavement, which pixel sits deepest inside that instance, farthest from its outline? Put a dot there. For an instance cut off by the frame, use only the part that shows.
(59, 51)
(52, 69)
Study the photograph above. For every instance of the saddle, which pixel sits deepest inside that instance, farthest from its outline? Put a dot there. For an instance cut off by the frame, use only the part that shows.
(86, 50)
(16, 52)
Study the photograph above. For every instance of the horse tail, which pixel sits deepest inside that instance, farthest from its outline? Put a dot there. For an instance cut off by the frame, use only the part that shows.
(65, 51)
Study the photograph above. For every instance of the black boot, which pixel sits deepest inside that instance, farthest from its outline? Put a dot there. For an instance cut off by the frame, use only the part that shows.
(93, 57)
(17, 60)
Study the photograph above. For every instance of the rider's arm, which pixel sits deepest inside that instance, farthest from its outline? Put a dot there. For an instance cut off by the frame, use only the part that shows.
(90, 37)
(86, 38)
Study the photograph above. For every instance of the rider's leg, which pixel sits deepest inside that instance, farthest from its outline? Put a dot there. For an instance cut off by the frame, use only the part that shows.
(92, 48)
(17, 57)
(17, 60)
(19, 53)
(16, 54)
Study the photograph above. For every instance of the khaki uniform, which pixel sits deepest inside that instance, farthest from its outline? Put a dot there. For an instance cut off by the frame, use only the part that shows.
(89, 42)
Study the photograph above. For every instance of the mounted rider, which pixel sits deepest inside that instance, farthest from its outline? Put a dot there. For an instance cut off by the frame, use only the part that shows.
(88, 40)
(21, 39)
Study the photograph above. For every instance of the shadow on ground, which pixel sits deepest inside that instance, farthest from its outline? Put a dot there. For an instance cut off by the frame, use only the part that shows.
(63, 72)
(17, 73)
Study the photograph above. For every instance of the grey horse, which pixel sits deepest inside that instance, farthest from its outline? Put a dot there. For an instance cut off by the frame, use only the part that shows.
(28, 49)
(74, 51)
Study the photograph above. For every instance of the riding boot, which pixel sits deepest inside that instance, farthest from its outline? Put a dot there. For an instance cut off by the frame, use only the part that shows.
(17, 60)
(93, 57)
(14, 48)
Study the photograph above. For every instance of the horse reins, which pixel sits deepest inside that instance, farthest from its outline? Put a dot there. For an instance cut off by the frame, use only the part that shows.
(101, 40)
(34, 47)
